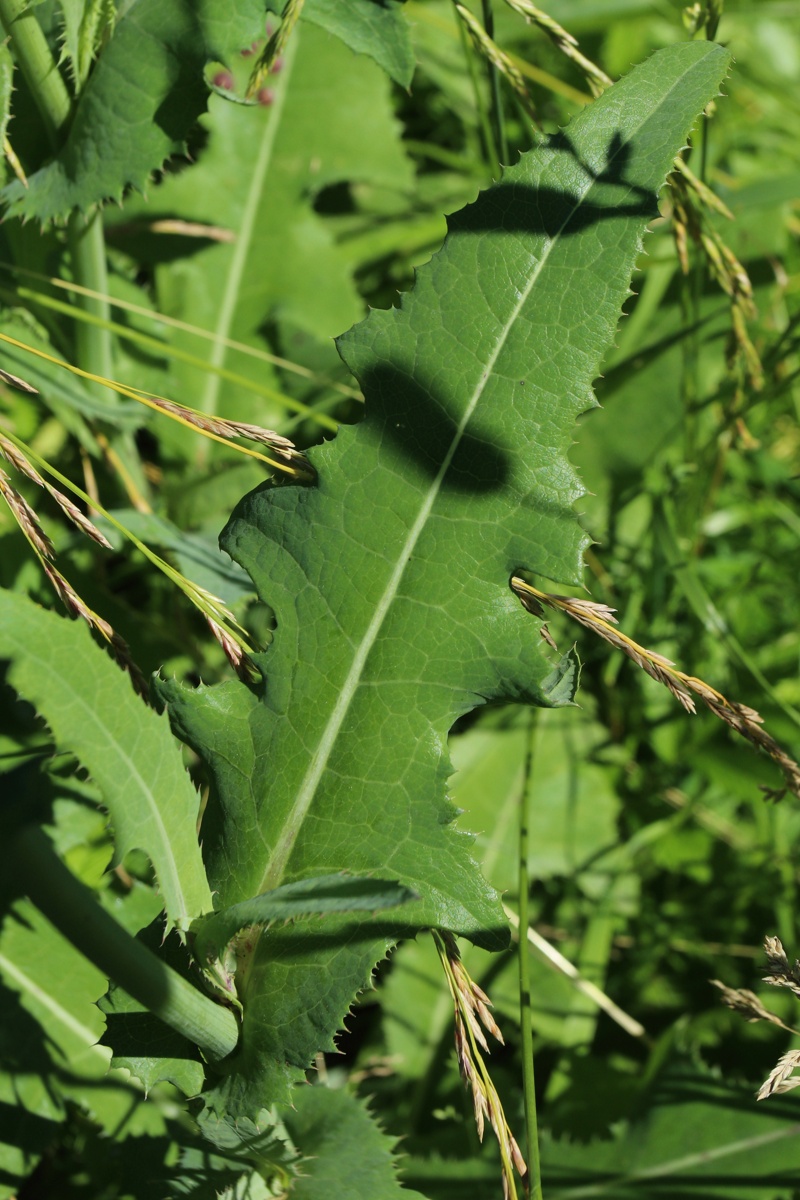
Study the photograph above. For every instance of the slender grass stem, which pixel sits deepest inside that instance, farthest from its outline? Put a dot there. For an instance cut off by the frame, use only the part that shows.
(491, 152)
(533, 1180)
(88, 257)
(494, 88)
(73, 909)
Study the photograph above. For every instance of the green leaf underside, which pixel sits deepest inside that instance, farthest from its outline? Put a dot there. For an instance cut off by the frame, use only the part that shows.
(145, 93)
(88, 703)
(221, 954)
(390, 577)
(377, 29)
(306, 897)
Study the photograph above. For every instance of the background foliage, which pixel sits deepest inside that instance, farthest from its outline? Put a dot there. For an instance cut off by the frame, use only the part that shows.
(655, 863)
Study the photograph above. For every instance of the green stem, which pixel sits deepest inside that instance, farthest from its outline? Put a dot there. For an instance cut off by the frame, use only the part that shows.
(37, 64)
(87, 249)
(494, 86)
(75, 912)
(533, 1179)
(490, 149)
(85, 235)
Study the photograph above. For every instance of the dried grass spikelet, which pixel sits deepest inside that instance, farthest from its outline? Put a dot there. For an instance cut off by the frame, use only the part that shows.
(748, 1006)
(564, 42)
(691, 199)
(497, 57)
(275, 46)
(28, 521)
(472, 1017)
(15, 456)
(42, 547)
(224, 626)
(600, 619)
(222, 428)
(781, 974)
(779, 1080)
(26, 518)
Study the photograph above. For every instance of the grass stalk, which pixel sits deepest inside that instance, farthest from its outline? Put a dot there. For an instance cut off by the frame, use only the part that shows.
(533, 1179)
(494, 90)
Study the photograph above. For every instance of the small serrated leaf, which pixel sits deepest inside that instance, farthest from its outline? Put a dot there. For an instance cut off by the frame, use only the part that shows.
(220, 953)
(367, 27)
(128, 749)
(144, 94)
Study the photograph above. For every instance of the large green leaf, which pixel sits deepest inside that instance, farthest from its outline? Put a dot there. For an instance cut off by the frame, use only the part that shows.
(92, 710)
(390, 577)
(143, 96)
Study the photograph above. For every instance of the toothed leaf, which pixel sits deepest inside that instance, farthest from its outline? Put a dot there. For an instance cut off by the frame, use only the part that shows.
(390, 577)
(146, 91)
(93, 712)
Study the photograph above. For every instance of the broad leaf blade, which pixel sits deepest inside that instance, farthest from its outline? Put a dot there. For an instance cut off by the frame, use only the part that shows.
(390, 577)
(88, 703)
(250, 180)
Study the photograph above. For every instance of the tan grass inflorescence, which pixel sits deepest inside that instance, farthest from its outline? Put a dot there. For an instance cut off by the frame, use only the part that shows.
(600, 619)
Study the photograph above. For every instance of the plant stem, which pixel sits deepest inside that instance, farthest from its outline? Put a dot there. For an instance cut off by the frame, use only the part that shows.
(533, 1180)
(494, 85)
(491, 153)
(73, 909)
(85, 235)
(87, 250)
(37, 64)
(93, 346)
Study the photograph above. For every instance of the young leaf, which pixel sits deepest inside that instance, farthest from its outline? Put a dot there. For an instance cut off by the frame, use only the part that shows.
(390, 577)
(344, 1151)
(143, 96)
(219, 952)
(377, 29)
(93, 712)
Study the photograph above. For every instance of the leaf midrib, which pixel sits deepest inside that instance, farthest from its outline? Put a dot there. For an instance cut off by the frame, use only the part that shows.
(276, 866)
(242, 245)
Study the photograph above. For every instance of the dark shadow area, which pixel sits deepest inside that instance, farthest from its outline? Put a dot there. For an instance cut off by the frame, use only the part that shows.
(417, 422)
(287, 947)
(422, 424)
(519, 208)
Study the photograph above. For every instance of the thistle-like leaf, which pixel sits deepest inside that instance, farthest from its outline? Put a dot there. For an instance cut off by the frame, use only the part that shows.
(144, 94)
(390, 576)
